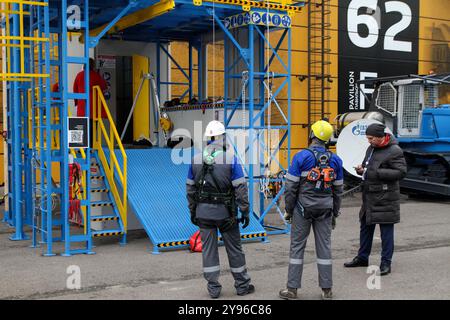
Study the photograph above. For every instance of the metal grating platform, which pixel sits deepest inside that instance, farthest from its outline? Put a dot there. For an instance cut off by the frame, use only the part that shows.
(157, 195)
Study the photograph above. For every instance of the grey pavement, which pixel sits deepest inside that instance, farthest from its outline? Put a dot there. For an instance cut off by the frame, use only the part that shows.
(420, 269)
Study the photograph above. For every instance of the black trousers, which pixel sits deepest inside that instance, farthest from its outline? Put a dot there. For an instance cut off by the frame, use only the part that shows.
(366, 238)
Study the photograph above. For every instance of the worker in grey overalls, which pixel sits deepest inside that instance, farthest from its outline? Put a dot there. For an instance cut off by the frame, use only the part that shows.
(314, 183)
(216, 187)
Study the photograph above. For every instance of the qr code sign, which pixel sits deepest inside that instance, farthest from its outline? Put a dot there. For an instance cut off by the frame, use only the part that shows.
(76, 136)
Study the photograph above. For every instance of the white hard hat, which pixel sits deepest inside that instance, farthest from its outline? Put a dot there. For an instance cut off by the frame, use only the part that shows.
(214, 128)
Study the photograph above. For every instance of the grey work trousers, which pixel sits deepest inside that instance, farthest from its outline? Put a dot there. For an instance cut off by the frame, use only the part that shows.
(299, 235)
(236, 258)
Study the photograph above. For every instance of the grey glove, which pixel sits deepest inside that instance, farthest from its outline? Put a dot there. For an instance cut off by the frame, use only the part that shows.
(288, 217)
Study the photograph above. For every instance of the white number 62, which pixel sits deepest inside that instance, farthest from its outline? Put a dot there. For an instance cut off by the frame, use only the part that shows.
(354, 20)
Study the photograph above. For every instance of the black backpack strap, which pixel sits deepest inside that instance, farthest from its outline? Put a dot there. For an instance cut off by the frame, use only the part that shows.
(207, 169)
(216, 184)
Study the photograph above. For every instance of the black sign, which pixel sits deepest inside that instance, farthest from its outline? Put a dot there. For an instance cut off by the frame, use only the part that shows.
(377, 38)
(78, 132)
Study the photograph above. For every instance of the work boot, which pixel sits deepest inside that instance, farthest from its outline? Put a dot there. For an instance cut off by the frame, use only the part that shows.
(214, 290)
(288, 294)
(385, 269)
(250, 289)
(327, 294)
(356, 262)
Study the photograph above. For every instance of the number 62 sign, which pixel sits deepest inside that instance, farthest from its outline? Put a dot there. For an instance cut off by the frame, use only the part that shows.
(387, 25)
(377, 38)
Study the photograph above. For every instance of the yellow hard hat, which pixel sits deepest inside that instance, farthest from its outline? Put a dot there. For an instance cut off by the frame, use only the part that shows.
(322, 130)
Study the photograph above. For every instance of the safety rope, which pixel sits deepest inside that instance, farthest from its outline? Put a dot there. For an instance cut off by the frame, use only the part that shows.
(265, 181)
(214, 60)
(243, 91)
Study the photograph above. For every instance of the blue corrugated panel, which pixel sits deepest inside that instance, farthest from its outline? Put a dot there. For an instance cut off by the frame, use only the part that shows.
(157, 194)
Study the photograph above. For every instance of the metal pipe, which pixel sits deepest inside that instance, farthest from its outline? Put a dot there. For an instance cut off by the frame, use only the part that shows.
(133, 107)
(16, 207)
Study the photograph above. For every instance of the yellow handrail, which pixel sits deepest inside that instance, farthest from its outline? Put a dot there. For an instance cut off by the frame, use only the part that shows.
(110, 138)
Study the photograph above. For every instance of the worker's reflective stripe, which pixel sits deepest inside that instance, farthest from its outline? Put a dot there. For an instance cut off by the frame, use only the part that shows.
(296, 261)
(305, 173)
(292, 177)
(325, 262)
(211, 269)
(190, 182)
(239, 270)
(238, 181)
(338, 182)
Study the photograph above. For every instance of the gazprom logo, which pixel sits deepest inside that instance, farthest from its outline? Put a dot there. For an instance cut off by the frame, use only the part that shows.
(359, 130)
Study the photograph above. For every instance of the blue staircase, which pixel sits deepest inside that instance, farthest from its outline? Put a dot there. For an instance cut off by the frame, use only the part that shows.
(112, 224)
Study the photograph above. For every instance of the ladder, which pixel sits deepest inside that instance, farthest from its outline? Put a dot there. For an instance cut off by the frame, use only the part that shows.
(50, 112)
(67, 96)
(319, 77)
(20, 39)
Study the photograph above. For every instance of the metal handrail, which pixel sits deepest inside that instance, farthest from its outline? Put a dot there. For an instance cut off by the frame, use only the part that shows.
(110, 138)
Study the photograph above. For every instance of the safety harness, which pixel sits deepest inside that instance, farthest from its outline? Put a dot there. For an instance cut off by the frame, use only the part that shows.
(212, 193)
(322, 175)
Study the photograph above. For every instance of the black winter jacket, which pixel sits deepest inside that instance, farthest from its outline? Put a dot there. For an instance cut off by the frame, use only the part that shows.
(381, 188)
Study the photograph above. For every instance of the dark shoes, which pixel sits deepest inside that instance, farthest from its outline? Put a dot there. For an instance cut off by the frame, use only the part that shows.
(291, 294)
(288, 294)
(385, 269)
(250, 289)
(356, 262)
(327, 294)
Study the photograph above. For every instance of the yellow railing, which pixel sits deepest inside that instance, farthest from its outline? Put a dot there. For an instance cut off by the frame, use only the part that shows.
(19, 41)
(106, 139)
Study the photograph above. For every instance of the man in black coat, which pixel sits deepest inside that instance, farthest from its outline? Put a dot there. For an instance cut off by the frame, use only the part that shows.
(383, 167)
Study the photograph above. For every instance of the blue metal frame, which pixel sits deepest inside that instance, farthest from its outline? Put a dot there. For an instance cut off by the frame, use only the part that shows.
(16, 140)
(188, 76)
(257, 107)
(184, 24)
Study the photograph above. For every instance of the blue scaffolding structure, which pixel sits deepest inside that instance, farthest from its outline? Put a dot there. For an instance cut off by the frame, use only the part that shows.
(254, 74)
(32, 150)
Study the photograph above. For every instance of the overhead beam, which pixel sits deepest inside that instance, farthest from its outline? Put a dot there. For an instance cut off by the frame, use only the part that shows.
(138, 17)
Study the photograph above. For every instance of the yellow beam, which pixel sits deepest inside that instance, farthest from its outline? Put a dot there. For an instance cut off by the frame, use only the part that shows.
(138, 17)
(248, 4)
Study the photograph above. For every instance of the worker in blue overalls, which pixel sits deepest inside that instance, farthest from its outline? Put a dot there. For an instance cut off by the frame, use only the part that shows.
(216, 187)
(314, 183)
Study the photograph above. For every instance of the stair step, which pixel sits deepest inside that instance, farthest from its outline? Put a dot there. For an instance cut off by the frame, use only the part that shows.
(104, 218)
(106, 233)
(99, 190)
(101, 204)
